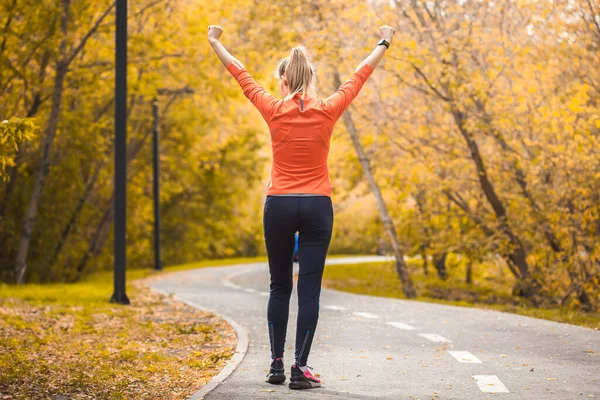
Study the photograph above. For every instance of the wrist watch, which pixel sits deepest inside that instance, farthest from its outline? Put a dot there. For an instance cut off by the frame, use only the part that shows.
(384, 42)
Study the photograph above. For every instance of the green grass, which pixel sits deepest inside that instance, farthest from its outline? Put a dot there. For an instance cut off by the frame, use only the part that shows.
(96, 289)
(490, 290)
(348, 255)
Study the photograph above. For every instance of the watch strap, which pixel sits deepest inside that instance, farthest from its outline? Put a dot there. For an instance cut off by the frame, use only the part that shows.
(384, 42)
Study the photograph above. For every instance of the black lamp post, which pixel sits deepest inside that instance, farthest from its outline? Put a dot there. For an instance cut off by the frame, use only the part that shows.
(119, 296)
(156, 186)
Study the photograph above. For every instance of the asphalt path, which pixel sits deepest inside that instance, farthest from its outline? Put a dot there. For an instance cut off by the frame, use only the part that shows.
(369, 347)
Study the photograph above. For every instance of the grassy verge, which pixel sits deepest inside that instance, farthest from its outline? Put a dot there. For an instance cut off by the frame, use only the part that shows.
(348, 255)
(489, 290)
(68, 340)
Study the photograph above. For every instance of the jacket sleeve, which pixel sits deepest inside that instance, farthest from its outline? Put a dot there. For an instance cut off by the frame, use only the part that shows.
(262, 100)
(340, 100)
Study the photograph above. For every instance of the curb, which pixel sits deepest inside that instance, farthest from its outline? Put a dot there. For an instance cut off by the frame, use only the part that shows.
(238, 356)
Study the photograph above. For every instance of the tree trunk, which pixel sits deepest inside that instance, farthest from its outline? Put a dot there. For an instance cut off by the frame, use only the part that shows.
(426, 241)
(42, 173)
(521, 179)
(31, 112)
(439, 262)
(518, 254)
(469, 273)
(584, 299)
(12, 180)
(424, 259)
(456, 199)
(98, 239)
(82, 200)
(388, 224)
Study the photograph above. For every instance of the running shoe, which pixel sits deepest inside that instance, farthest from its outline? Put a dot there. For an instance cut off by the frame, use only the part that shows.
(303, 380)
(276, 372)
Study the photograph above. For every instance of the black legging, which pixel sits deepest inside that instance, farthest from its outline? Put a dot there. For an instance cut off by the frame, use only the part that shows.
(312, 217)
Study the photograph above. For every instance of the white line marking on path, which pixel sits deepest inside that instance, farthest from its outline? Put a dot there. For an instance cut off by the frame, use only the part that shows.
(264, 293)
(337, 308)
(250, 290)
(229, 284)
(401, 325)
(434, 337)
(465, 357)
(490, 384)
(366, 314)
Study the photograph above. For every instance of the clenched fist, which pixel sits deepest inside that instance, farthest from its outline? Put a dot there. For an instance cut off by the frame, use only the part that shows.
(387, 33)
(214, 32)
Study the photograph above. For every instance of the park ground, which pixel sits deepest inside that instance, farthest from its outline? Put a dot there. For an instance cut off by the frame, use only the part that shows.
(68, 340)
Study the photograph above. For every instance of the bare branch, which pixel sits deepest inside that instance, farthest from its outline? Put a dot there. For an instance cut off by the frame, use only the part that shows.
(89, 34)
(437, 92)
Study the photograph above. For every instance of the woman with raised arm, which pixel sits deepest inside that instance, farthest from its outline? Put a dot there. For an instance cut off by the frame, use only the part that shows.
(298, 193)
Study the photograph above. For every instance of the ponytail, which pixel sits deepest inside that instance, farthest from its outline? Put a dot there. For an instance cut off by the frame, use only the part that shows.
(299, 72)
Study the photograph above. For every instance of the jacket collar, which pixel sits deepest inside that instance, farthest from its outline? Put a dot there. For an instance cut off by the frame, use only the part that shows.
(299, 94)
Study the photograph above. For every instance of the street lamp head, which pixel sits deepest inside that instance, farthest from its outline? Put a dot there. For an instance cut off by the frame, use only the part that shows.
(184, 90)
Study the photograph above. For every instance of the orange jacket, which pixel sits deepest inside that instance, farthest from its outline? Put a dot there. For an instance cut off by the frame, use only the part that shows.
(300, 137)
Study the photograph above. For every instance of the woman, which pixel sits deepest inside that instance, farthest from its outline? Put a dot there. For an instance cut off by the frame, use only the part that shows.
(298, 191)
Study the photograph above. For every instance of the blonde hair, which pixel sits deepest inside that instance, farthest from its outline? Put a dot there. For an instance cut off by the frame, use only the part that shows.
(299, 72)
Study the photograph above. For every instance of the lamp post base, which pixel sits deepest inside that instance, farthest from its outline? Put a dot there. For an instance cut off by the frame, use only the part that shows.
(119, 298)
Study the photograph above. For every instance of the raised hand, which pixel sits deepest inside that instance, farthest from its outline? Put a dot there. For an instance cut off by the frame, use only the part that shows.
(387, 33)
(214, 32)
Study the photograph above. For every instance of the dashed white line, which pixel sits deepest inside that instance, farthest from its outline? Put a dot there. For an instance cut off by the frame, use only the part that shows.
(366, 314)
(486, 383)
(490, 384)
(401, 325)
(434, 337)
(229, 284)
(465, 357)
(337, 308)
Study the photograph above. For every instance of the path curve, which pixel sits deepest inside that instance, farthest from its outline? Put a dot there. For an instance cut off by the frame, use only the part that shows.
(369, 347)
